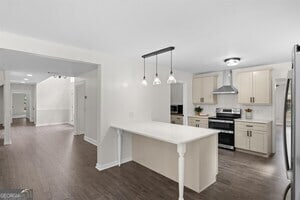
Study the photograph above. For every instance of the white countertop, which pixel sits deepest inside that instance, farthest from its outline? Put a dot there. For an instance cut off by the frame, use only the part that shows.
(167, 132)
(263, 121)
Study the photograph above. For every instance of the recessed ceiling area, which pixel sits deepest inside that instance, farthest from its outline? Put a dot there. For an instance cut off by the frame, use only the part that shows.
(203, 32)
(27, 63)
(27, 78)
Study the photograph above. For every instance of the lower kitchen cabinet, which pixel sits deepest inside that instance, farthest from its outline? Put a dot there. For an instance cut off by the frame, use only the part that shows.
(177, 119)
(198, 121)
(254, 137)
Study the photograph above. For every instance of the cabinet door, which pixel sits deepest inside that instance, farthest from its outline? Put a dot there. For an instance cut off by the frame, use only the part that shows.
(257, 142)
(197, 90)
(210, 84)
(245, 87)
(242, 141)
(262, 87)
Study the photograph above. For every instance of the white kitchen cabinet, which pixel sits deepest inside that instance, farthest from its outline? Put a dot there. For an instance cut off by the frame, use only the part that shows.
(198, 121)
(253, 137)
(254, 87)
(242, 140)
(177, 119)
(203, 88)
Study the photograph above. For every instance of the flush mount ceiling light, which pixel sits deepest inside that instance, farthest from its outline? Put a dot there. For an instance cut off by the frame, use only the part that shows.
(29, 75)
(171, 78)
(26, 79)
(144, 81)
(156, 80)
(232, 61)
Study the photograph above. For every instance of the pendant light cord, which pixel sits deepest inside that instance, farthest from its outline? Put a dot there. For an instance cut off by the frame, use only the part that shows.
(171, 63)
(144, 68)
(156, 66)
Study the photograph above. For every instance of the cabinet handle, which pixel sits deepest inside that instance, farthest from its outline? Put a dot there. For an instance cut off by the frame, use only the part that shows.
(250, 99)
(247, 133)
(250, 133)
(253, 99)
(249, 126)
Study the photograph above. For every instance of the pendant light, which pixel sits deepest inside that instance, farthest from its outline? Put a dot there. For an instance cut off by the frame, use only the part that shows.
(144, 81)
(171, 78)
(156, 80)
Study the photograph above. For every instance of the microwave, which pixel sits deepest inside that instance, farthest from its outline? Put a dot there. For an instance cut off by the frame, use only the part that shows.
(176, 109)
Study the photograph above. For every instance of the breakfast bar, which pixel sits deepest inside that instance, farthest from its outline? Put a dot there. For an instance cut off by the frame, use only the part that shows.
(156, 144)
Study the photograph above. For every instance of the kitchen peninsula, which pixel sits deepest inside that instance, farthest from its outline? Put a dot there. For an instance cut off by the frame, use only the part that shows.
(185, 154)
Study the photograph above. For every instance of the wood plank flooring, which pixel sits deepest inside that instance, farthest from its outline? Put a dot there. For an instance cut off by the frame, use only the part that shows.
(58, 165)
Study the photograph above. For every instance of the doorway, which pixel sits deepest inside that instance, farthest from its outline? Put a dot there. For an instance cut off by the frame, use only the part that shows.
(21, 112)
(79, 108)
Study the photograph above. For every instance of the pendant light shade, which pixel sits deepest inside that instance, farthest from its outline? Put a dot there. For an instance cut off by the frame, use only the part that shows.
(171, 78)
(144, 81)
(156, 80)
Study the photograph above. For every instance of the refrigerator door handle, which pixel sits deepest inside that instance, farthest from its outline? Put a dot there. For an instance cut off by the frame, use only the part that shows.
(286, 158)
(286, 192)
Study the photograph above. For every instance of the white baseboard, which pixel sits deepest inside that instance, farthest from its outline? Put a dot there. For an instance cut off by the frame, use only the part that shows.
(102, 167)
(90, 140)
(52, 124)
(18, 116)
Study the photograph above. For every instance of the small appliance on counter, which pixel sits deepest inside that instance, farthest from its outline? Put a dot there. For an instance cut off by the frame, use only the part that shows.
(224, 121)
(177, 109)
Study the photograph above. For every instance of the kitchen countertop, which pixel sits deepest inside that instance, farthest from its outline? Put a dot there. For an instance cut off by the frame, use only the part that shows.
(171, 133)
(199, 116)
(177, 114)
(263, 121)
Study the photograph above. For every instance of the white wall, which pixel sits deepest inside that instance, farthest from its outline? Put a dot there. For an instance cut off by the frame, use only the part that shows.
(18, 105)
(53, 101)
(1, 106)
(90, 79)
(177, 94)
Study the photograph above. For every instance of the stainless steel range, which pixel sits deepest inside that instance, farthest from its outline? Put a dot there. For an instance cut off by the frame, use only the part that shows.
(224, 121)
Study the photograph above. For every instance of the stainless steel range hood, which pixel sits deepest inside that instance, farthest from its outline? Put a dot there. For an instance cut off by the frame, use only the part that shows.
(227, 87)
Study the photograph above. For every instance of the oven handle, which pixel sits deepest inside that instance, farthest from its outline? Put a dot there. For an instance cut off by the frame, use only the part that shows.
(221, 121)
(227, 132)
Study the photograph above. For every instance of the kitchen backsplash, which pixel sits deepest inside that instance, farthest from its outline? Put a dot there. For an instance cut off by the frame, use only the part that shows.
(231, 101)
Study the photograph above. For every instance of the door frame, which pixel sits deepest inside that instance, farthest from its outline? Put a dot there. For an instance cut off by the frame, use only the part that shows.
(76, 131)
(28, 93)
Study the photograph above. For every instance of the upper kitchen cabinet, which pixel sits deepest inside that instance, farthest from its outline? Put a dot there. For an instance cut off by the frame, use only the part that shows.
(254, 87)
(203, 88)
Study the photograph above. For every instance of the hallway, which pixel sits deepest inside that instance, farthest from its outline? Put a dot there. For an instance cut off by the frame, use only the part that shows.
(58, 165)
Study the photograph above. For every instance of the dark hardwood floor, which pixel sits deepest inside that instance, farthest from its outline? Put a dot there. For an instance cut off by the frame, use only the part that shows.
(58, 165)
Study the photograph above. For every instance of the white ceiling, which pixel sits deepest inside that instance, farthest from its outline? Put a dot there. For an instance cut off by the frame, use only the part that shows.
(39, 65)
(203, 32)
(18, 77)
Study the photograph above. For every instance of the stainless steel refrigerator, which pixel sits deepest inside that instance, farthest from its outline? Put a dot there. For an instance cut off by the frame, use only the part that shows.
(291, 128)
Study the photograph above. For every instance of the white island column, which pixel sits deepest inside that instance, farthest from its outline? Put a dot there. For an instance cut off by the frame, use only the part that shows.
(181, 149)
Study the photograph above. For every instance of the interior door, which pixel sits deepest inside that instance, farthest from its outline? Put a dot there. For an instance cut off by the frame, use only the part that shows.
(245, 87)
(80, 108)
(197, 90)
(261, 87)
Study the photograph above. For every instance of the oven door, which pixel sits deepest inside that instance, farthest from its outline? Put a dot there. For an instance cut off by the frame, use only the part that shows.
(226, 139)
(221, 124)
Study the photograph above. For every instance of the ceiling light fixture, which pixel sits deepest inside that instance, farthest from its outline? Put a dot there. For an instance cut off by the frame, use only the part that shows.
(144, 81)
(232, 61)
(29, 75)
(171, 78)
(26, 79)
(156, 80)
